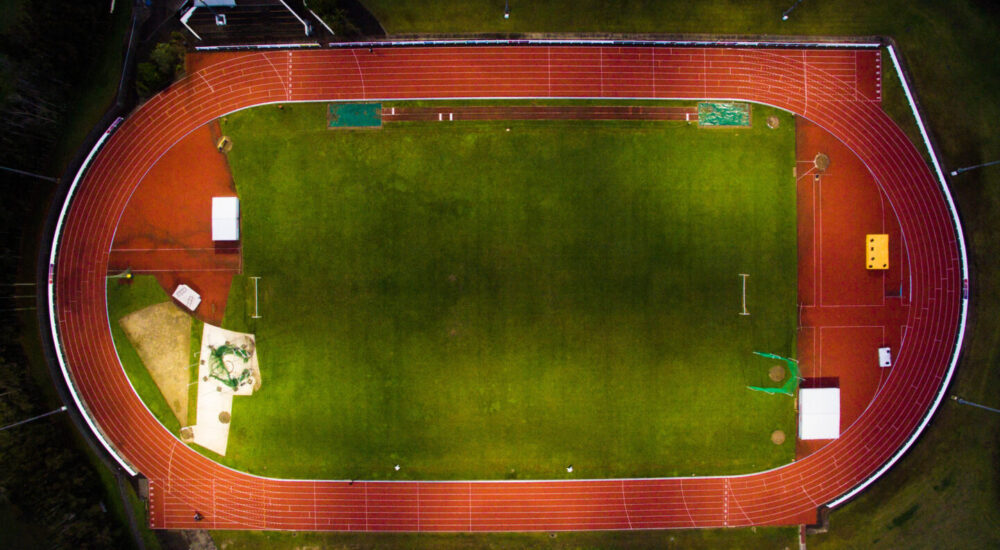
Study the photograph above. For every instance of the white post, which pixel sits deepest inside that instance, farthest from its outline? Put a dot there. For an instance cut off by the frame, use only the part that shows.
(744, 276)
(256, 314)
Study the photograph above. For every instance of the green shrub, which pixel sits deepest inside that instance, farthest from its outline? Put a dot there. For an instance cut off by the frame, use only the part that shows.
(165, 64)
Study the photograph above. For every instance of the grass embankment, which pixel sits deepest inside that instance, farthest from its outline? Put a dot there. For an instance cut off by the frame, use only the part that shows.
(475, 303)
(124, 298)
(695, 539)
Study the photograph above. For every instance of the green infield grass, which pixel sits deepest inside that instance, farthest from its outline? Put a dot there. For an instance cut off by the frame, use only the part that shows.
(471, 302)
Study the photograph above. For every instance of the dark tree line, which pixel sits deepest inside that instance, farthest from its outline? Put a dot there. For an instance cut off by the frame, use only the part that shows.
(46, 53)
(164, 64)
(336, 15)
(43, 473)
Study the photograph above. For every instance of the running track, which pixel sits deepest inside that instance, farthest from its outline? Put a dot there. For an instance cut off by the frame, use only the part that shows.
(807, 82)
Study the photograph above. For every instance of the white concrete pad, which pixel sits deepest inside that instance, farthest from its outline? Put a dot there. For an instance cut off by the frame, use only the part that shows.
(215, 397)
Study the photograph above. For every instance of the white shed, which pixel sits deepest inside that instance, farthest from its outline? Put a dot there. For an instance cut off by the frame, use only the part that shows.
(819, 413)
(225, 219)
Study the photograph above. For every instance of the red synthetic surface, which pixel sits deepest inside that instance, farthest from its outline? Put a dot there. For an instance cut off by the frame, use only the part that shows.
(165, 229)
(818, 84)
(844, 311)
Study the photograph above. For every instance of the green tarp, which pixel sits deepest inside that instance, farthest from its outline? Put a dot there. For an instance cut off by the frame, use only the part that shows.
(793, 375)
(724, 114)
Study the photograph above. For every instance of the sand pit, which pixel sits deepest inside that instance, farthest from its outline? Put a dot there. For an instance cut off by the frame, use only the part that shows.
(216, 389)
(161, 335)
(776, 373)
(822, 162)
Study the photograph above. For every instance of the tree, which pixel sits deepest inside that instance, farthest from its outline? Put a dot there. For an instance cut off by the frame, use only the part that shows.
(334, 16)
(165, 64)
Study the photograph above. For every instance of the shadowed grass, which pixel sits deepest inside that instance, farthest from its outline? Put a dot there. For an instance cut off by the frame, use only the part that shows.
(476, 303)
(697, 539)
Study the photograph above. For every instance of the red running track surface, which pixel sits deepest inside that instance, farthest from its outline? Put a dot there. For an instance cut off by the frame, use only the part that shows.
(811, 83)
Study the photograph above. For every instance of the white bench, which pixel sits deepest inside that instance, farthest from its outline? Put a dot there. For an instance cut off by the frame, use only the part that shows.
(884, 357)
(187, 296)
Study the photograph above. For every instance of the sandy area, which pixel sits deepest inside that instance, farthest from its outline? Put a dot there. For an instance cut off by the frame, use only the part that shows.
(161, 334)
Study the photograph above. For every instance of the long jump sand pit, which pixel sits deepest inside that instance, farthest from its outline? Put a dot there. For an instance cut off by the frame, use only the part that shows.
(227, 367)
(161, 335)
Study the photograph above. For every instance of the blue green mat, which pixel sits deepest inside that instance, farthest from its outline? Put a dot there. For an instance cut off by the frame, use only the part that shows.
(724, 114)
(354, 115)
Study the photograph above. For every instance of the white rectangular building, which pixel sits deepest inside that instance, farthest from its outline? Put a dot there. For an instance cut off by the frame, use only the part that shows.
(225, 219)
(819, 413)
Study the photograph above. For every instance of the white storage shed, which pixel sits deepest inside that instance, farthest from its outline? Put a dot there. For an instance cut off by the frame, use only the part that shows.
(225, 219)
(819, 413)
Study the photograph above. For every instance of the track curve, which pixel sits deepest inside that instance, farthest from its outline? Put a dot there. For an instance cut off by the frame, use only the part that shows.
(800, 81)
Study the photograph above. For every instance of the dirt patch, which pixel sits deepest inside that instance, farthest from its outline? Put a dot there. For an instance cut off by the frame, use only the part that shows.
(161, 335)
(822, 162)
(776, 373)
(777, 437)
(773, 122)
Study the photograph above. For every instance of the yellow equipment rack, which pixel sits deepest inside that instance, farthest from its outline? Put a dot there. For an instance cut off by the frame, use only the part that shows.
(877, 251)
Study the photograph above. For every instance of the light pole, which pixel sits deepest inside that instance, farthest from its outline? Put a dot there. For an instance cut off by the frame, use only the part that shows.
(970, 403)
(29, 174)
(59, 410)
(788, 12)
(967, 168)
(506, 9)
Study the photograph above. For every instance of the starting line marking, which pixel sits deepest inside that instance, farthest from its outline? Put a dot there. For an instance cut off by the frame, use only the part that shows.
(744, 276)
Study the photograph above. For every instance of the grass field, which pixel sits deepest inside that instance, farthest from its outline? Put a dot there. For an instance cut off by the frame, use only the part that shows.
(476, 303)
